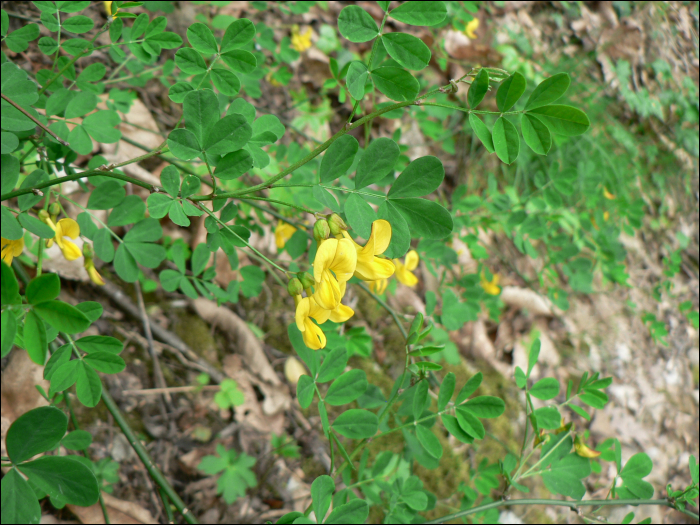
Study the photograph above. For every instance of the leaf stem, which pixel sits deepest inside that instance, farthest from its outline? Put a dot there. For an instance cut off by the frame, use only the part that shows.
(35, 120)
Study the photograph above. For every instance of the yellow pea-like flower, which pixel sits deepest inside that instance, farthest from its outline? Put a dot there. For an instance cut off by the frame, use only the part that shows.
(379, 286)
(64, 228)
(301, 41)
(283, 233)
(369, 266)
(335, 263)
(11, 249)
(308, 309)
(404, 270)
(491, 287)
(583, 450)
(471, 27)
(95, 277)
(608, 195)
(341, 313)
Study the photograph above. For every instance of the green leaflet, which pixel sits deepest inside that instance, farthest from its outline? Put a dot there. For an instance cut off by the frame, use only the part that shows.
(356, 24)
(407, 50)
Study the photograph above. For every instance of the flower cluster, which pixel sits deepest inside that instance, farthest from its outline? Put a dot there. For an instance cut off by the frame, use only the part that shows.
(338, 258)
(301, 41)
(404, 273)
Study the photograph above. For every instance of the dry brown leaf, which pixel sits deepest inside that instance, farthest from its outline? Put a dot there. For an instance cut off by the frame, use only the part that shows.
(119, 511)
(524, 298)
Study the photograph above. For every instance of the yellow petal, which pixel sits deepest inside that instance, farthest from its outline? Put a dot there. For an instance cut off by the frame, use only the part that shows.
(321, 315)
(411, 260)
(302, 313)
(342, 313)
(283, 233)
(70, 251)
(94, 276)
(339, 256)
(379, 239)
(327, 294)
(314, 337)
(11, 249)
(68, 227)
(379, 286)
(583, 450)
(374, 269)
(471, 27)
(406, 277)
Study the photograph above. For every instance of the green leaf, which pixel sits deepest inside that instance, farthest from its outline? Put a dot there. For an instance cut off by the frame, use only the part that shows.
(408, 50)
(63, 316)
(506, 140)
(240, 61)
(105, 362)
(77, 440)
(420, 398)
(35, 226)
(321, 491)
(201, 112)
(424, 218)
(79, 140)
(638, 466)
(452, 425)
(100, 343)
(469, 388)
(88, 386)
(447, 388)
(420, 13)
(34, 432)
(189, 61)
(226, 82)
(326, 198)
(93, 73)
(478, 89)
(396, 83)
(202, 39)
(43, 288)
(536, 134)
(305, 391)
(92, 310)
(170, 280)
(356, 24)
(35, 338)
(470, 423)
(548, 91)
(139, 26)
(170, 179)
(253, 277)
(19, 502)
(356, 424)
(421, 177)
(57, 359)
(640, 488)
(9, 142)
(400, 235)
(520, 379)
(64, 376)
(548, 418)
(183, 144)
(132, 209)
(338, 158)
(227, 135)
(333, 365)
(147, 254)
(564, 476)
(27, 201)
(179, 91)
(268, 123)
(10, 286)
(377, 162)
(430, 443)
(562, 120)
(510, 91)
(10, 172)
(533, 355)
(11, 230)
(64, 479)
(158, 205)
(78, 24)
(100, 126)
(233, 165)
(356, 79)
(359, 215)
(354, 512)
(190, 186)
(9, 330)
(16, 86)
(485, 406)
(237, 34)
(347, 388)
(18, 40)
(165, 40)
(106, 196)
(547, 388)
(580, 411)
(148, 230)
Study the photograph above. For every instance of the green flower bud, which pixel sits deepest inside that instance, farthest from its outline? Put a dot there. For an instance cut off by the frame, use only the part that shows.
(54, 209)
(337, 225)
(321, 230)
(294, 287)
(43, 215)
(88, 252)
(307, 280)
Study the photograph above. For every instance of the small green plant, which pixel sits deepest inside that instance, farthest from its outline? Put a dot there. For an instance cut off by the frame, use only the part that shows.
(234, 469)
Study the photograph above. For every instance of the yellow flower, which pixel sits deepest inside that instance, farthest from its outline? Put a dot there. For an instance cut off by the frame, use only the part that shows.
(341, 313)
(65, 228)
(301, 41)
(108, 9)
(403, 270)
(307, 309)
(334, 264)
(11, 249)
(583, 450)
(471, 27)
(369, 267)
(283, 233)
(379, 286)
(92, 272)
(491, 287)
(608, 195)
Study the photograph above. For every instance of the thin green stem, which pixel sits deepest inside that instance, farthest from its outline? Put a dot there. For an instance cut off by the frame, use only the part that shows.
(145, 72)
(283, 203)
(34, 119)
(388, 308)
(116, 237)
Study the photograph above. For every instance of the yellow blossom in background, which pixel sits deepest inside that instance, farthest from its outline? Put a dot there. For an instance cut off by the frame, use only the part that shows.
(583, 450)
(379, 286)
(608, 195)
(404, 270)
(471, 27)
(491, 287)
(301, 41)
(283, 233)
(108, 9)
(369, 266)
(335, 263)
(92, 272)
(308, 309)
(11, 249)
(65, 228)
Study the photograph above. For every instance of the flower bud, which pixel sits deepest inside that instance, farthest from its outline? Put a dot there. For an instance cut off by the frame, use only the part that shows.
(88, 252)
(43, 215)
(294, 287)
(54, 209)
(321, 230)
(307, 280)
(337, 224)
